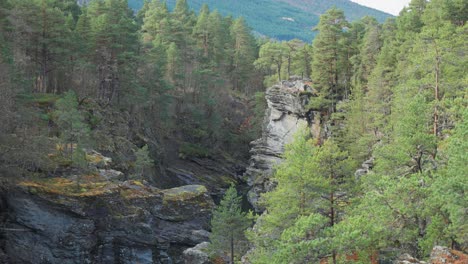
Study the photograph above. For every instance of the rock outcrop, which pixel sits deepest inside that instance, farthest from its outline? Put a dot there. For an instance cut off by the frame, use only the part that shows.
(197, 254)
(286, 113)
(366, 167)
(96, 221)
(408, 259)
(444, 255)
(439, 255)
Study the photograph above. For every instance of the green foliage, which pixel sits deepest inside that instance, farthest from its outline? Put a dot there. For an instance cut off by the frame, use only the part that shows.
(194, 150)
(45, 37)
(228, 225)
(395, 92)
(267, 17)
(406, 96)
(448, 199)
(329, 57)
(316, 183)
(283, 59)
(143, 161)
(74, 131)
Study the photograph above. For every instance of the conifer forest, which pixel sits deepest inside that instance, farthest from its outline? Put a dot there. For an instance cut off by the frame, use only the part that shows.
(253, 132)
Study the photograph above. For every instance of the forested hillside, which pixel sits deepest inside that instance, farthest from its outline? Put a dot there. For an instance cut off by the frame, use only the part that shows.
(121, 129)
(280, 19)
(392, 97)
(168, 71)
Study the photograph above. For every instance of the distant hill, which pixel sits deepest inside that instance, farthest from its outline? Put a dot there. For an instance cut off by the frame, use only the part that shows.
(281, 19)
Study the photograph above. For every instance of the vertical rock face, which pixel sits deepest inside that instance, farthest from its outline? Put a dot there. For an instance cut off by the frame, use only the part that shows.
(123, 222)
(286, 113)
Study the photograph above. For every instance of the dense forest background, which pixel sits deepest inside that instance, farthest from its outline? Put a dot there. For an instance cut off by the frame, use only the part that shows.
(396, 100)
(102, 77)
(171, 74)
(280, 19)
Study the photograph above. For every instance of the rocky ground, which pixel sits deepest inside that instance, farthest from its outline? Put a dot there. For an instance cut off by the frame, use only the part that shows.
(96, 221)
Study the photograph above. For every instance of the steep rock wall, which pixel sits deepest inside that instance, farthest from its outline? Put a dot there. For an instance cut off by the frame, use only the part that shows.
(126, 222)
(286, 113)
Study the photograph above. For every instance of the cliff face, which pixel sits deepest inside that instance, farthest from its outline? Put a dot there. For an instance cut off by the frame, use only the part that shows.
(286, 113)
(103, 222)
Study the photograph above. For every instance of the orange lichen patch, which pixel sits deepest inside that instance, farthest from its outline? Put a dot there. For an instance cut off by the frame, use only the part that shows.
(184, 193)
(68, 187)
(94, 158)
(135, 189)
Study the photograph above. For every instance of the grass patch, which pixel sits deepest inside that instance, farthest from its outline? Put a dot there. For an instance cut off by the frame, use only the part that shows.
(40, 99)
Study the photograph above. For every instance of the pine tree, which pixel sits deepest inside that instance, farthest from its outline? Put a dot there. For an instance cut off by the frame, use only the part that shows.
(41, 33)
(115, 46)
(143, 162)
(243, 54)
(74, 131)
(272, 56)
(447, 201)
(156, 23)
(329, 58)
(228, 226)
(316, 182)
(201, 31)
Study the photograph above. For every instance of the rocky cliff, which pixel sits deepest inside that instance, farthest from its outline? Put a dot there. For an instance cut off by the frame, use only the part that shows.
(93, 220)
(286, 113)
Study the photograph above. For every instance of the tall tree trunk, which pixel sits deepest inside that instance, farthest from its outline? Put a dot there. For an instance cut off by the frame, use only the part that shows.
(43, 80)
(279, 71)
(436, 91)
(232, 248)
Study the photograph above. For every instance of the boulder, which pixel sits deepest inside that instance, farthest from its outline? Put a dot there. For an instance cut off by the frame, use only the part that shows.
(366, 167)
(96, 159)
(444, 255)
(439, 255)
(111, 175)
(197, 254)
(407, 259)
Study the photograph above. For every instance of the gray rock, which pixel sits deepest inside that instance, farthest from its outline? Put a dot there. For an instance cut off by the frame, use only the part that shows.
(407, 259)
(444, 255)
(286, 113)
(365, 168)
(111, 175)
(124, 223)
(197, 254)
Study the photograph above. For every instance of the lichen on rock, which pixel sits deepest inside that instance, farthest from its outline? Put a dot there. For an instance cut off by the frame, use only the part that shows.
(92, 220)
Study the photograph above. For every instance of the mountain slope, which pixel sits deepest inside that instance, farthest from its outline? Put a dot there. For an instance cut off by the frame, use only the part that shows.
(281, 19)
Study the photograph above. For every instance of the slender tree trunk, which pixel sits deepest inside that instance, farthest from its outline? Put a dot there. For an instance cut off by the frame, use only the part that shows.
(43, 80)
(232, 248)
(436, 93)
(332, 211)
(279, 71)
